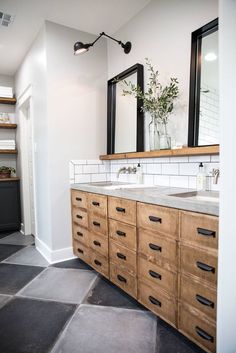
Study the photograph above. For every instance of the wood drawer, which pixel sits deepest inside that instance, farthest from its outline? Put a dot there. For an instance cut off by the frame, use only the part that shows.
(123, 280)
(200, 296)
(97, 204)
(126, 259)
(98, 224)
(199, 229)
(159, 219)
(122, 210)
(198, 263)
(158, 302)
(81, 251)
(157, 248)
(81, 234)
(157, 276)
(79, 198)
(123, 234)
(80, 217)
(99, 243)
(201, 331)
(99, 263)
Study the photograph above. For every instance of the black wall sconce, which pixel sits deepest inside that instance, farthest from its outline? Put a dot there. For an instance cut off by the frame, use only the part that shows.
(80, 47)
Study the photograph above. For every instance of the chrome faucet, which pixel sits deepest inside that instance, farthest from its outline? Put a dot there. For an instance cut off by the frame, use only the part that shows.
(215, 173)
(127, 170)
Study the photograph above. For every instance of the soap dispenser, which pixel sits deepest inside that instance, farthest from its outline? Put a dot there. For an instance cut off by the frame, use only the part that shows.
(139, 174)
(201, 178)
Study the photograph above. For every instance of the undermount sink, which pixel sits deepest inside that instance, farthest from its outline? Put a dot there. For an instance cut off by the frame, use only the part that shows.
(114, 186)
(199, 196)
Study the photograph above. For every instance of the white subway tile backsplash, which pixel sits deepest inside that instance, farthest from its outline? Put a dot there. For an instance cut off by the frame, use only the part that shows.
(104, 168)
(153, 168)
(162, 180)
(94, 161)
(199, 159)
(188, 168)
(179, 181)
(83, 178)
(192, 182)
(215, 158)
(91, 168)
(179, 159)
(78, 169)
(170, 169)
(148, 179)
(98, 177)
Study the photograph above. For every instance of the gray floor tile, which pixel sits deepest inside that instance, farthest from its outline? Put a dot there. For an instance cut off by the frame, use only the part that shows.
(62, 285)
(5, 234)
(28, 256)
(4, 299)
(108, 330)
(73, 263)
(7, 250)
(18, 239)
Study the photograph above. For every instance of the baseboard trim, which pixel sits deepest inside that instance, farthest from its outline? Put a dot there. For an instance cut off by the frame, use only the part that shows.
(53, 256)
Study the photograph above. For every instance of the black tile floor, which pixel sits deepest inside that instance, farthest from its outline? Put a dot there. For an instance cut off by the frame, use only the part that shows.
(69, 308)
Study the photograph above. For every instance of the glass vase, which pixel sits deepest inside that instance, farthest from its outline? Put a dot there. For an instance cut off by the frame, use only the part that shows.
(154, 135)
(165, 139)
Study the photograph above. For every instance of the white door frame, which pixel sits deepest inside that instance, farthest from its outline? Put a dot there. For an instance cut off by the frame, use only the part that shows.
(25, 102)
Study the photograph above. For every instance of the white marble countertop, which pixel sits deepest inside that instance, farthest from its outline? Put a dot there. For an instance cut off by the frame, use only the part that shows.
(157, 195)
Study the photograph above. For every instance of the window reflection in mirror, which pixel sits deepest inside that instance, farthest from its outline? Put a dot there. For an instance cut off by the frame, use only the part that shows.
(204, 87)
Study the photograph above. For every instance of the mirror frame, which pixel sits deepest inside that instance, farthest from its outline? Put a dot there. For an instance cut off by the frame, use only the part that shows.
(111, 109)
(195, 79)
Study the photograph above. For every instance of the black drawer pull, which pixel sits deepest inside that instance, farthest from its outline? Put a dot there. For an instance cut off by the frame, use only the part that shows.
(155, 247)
(79, 216)
(120, 233)
(80, 251)
(121, 278)
(205, 267)
(97, 243)
(154, 300)
(204, 301)
(121, 256)
(95, 203)
(204, 335)
(98, 263)
(206, 232)
(78, 199)
(120, 209)
(80, 234)
(154, 274)
(96, 224)
(155, 219)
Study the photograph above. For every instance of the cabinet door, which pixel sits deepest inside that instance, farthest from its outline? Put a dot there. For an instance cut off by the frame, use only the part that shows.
(10, 215)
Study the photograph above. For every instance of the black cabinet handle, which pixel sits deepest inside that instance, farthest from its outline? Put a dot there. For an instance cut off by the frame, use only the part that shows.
(95, 203)
(120, 233)
(155, 247)
(96, 224)
(80, 251)
(203, 334)
(206, 232)
(121, 256)
(79, 216)
(205, 267)
(97, 243)
(98, 263)
(204, 301)
(121, 278)
(155, 219)
(120, 209)
(78, 199)
(80, 234)
(154, 300)
(154, 274)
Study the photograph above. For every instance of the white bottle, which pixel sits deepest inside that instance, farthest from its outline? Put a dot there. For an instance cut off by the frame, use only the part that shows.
(201, 178)
(139, 174)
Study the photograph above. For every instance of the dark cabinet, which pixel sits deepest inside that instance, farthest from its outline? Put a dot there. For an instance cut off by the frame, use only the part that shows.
(10, 213)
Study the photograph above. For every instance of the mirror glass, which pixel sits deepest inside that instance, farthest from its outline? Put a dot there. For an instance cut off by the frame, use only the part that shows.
(125, 131)
(204, 87)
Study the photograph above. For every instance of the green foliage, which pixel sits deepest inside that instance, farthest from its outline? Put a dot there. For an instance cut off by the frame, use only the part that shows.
(7, 169)
(158, 100)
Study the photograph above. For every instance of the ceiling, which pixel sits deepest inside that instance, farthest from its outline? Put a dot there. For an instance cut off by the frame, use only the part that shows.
(91, 16)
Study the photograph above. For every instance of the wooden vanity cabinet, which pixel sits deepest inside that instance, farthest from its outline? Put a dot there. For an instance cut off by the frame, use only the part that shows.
(164, 257)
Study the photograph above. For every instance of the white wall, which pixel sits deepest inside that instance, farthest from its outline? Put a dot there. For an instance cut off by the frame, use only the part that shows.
(226, 316)
(162, 32)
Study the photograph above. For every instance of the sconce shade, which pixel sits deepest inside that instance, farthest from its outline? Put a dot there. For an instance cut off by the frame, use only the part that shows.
(80, 48)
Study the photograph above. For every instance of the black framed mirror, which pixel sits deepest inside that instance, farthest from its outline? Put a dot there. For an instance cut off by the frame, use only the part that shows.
(125, 118)
(204, 87)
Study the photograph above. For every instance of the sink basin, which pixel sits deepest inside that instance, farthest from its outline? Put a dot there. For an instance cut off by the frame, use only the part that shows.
(117, 186)
(199, 196)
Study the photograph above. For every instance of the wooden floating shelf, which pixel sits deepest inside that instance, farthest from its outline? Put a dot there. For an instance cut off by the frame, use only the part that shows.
(8, 151)
(9, 179)
(4, 100)
(8, 126)
(186, 151)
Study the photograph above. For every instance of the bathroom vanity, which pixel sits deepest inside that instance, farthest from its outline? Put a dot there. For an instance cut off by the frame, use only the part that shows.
(158, 247)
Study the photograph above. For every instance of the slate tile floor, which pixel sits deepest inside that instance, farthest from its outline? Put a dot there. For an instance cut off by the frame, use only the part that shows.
(69, 308)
